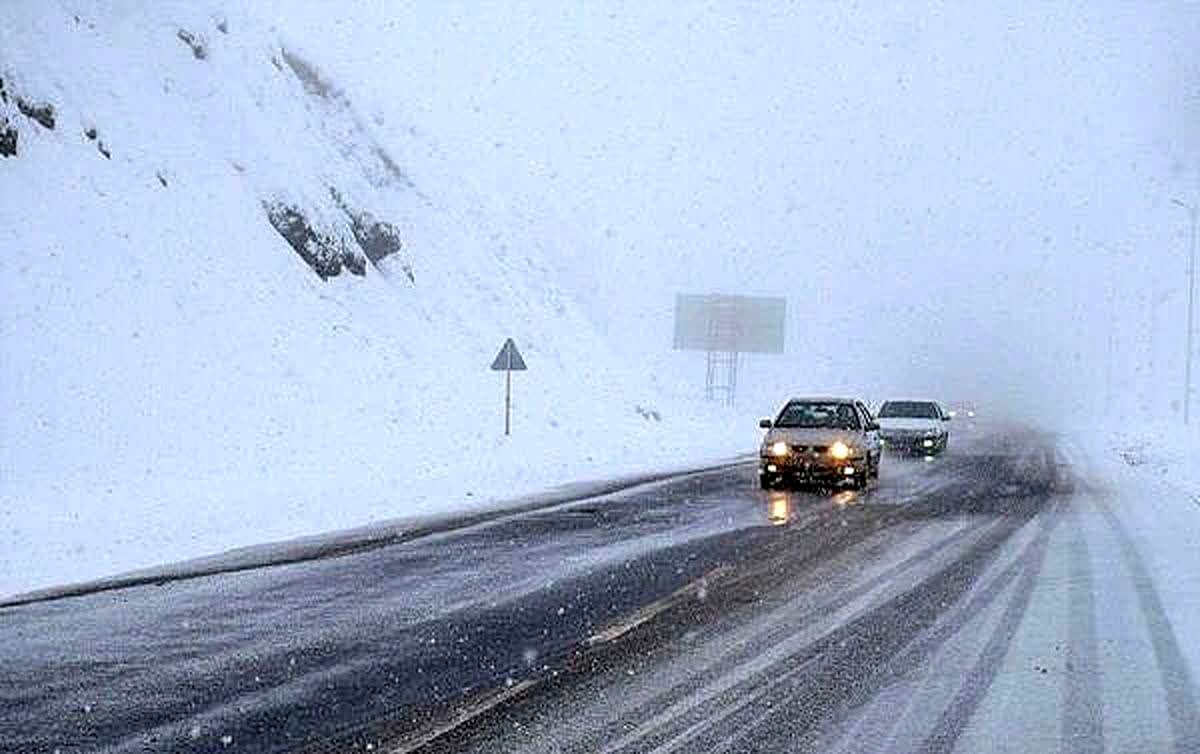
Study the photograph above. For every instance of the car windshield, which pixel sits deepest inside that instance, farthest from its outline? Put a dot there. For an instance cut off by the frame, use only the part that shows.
(817, 415)
(909, 410)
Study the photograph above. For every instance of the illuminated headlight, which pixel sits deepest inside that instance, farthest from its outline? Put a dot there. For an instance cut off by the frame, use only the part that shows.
(928, 443)
(839, 450)
(778, 449)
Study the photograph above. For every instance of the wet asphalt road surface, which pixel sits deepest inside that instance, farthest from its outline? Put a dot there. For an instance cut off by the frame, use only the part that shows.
(945, 608)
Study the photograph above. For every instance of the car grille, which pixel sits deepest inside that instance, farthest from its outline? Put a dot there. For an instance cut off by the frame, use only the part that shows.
(814, 449)
(908, 438)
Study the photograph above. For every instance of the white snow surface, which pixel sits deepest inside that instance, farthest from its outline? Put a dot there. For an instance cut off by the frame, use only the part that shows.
(1152, 474)
(176, 381)
(1168, 452)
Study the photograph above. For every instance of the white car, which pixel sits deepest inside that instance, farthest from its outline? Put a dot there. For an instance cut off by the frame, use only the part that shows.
(916, 427)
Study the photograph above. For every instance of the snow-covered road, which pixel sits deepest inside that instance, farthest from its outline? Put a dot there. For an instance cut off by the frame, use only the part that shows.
(1022, 593)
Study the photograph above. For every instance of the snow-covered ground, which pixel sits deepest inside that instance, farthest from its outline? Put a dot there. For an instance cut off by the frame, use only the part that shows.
(1168, 452)
(1150, 479)
(178, 381)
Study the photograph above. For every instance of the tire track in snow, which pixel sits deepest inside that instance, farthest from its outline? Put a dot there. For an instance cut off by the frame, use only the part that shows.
(1182, 710)
(740, 670)
(975, 686)
(920, 659)
(1083, 712)
(823, 677)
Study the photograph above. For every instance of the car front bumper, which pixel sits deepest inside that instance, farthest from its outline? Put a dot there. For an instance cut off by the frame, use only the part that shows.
(808, 469)
(913, 444)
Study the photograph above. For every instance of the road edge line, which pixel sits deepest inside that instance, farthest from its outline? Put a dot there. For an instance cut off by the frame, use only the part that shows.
(377, 539)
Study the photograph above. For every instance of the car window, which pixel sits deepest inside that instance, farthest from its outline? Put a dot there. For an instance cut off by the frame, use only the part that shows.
(865, 413)
(818, 415)
(909, 410)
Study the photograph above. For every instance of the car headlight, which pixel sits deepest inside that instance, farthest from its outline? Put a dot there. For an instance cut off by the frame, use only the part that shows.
(839, 450)
(778, 449)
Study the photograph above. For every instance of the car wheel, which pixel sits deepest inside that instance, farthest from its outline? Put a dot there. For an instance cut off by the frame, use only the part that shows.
(875, 466)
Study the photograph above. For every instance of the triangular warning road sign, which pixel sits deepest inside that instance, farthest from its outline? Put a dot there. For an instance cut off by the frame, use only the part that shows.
(509, 359)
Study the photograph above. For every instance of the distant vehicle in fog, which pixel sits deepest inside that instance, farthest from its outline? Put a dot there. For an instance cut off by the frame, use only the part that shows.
(916, 427)
(831, 441)
(963, 410)
(964, 414)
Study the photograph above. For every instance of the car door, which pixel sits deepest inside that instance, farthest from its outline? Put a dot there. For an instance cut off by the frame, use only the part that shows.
(943, 418)
(871, 434)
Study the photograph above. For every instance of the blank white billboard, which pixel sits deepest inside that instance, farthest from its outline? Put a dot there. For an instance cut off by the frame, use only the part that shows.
(742, 324)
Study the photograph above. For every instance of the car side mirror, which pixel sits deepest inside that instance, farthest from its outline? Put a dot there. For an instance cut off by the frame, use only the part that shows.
(947, 418)
(764, 423)
(873, 427)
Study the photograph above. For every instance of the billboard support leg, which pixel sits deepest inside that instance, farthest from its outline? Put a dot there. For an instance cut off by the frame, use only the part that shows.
(720, 375)
(732, 378)
(710, 375)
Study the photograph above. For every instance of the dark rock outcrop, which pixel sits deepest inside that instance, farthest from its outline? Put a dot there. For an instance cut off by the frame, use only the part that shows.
(378, 239)
(648, 414)
(8, 139)
(196, 43)
(326, 253)
(42, 112)
(310, 78)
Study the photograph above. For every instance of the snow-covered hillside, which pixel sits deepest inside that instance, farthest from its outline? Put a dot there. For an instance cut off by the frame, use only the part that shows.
(239, 308)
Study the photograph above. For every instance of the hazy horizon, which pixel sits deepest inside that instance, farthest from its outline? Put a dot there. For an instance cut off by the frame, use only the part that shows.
(982, 182)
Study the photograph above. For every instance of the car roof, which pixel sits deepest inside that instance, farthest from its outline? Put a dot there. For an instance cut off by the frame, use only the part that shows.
(822, 399)
(911, 400)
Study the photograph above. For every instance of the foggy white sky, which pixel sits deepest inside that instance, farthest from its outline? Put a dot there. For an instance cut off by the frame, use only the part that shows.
(942, 191)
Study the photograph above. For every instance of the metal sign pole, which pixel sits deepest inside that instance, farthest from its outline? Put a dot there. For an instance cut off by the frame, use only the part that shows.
(1193, 212)
(1191, 323)
(508, 361)
(507, 402)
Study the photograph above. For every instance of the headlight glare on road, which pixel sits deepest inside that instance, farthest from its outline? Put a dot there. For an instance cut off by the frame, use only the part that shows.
(779, 449)
(839, 450)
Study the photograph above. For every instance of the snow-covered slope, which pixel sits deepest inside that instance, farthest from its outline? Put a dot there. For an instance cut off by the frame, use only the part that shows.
(178, 379)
